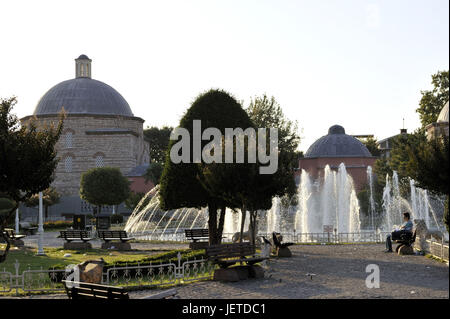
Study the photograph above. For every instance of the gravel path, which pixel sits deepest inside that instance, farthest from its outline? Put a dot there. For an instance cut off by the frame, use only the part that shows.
(340, 272)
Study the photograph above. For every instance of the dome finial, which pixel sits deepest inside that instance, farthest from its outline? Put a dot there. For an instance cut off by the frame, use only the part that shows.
(336, 129)
(83, 67)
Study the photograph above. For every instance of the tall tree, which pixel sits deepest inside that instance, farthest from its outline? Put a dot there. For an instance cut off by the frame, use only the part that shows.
(428, 165)
(372, 146)
(267, 113)
(180, 183)
(104, 186)
(28, 159)
(158, 139)
(50, 197)
(433, 101)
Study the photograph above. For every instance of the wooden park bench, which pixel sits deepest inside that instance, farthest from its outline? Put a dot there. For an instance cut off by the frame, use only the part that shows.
(110, 235)
(83, 290)
(120, 238)
(76, 239)
(27, 228)
(12, 234)
(14, 238)
(406, 239)
(199, 237)
(75, 235)
(229, 254)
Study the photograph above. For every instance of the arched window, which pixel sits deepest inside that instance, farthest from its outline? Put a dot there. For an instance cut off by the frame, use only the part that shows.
(69, 139)
(99, 161)
(68, 162)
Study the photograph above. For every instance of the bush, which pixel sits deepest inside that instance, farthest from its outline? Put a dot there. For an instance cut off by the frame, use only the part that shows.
(59, 224)
(116, 219)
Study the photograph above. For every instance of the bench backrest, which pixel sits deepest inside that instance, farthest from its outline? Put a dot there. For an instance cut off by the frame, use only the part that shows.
(112, 234)
(230, 250)
(196, 233)
(74, 234)
(84, 290)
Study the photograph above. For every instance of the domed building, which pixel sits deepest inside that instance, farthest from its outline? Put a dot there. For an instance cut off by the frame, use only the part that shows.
(100, 129)
(440, 126)
(335, 148)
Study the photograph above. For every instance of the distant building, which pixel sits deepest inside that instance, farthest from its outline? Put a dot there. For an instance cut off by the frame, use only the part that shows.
(385, 145)
(335, 148)
(440, 126)
(99, 130)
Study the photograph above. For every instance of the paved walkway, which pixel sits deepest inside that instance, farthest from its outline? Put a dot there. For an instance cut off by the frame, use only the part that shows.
(340, 272)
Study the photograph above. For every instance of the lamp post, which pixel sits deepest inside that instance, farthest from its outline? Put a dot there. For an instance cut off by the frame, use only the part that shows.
(40, 251)
(17, 221)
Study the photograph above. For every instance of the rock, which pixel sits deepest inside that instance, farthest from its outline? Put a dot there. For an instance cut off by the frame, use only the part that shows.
(226, 274)
(91, 271)
(284, 252)
(67, 255)
(406, 250)
(255, 271)
(117, 246)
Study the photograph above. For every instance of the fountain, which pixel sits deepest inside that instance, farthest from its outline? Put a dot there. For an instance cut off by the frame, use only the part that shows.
(329, 201)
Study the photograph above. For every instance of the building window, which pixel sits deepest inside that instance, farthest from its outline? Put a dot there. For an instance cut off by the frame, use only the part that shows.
(68, 164)
(99, 161)
(69, 140)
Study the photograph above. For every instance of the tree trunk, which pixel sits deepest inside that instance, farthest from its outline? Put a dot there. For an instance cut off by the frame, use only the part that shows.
(221, 224)
(252, 229)
(244, 213)
(212, 224)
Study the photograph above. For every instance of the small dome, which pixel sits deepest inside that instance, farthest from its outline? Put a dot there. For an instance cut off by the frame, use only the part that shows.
(443, 116)
(83, 57)
(83, 96)
(337, 144)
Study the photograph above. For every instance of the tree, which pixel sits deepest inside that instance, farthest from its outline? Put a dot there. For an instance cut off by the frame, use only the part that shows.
(433, 101)
(28, 159)
(104, 186)
(50, 197)
(180, 184)
(154, 172)
(158, 139)
(267, 113)
(428, 166)
(372, 146)
(133, 200)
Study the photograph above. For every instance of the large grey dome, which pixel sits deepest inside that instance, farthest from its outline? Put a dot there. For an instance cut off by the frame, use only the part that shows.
(83, 95)
(337, 144)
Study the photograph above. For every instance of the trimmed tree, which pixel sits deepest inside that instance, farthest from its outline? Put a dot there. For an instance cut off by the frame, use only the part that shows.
(104, 186)
(180, 183)
(50, 197)
(28, 160)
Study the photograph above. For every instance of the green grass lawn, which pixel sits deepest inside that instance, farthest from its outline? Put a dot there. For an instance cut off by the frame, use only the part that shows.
(55, 256)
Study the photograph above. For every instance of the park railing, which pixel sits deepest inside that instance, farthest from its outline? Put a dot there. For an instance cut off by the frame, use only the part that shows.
(436, 248)
(292, 236)
(130, 276)
(166, 274)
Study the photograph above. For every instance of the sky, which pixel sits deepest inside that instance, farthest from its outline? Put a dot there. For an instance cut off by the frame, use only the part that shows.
(360, 64)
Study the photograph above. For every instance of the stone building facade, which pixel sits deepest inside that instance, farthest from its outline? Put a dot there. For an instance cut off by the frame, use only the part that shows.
(99, 130)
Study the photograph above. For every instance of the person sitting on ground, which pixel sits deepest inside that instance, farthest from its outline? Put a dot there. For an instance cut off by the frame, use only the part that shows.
(407, 226)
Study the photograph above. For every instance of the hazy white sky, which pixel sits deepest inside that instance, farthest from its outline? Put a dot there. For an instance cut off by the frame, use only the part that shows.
(360, 64)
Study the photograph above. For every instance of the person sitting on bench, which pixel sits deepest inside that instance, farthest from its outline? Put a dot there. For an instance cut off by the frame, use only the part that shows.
(407, 226)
